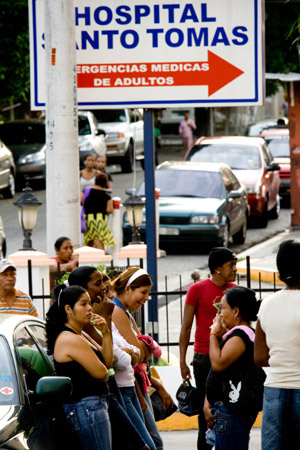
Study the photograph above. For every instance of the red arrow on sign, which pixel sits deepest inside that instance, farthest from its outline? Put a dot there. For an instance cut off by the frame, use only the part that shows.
(215, 73)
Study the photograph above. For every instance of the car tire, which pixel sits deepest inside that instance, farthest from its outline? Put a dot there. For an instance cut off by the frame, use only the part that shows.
(224, 241)
(10, 190)
(274, 213)
(127, 161)
(240, 236)
(263, 219)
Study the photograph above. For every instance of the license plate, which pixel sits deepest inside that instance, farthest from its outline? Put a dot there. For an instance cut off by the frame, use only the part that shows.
(169, 231)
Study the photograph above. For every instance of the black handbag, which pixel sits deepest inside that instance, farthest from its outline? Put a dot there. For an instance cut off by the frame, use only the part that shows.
(158, 407)
(190, 399)
(242, 392)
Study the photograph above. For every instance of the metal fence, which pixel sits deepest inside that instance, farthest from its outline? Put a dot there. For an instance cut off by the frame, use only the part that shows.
(170, 306)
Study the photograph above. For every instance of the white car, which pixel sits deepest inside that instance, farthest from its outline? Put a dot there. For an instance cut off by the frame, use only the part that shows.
(90, 137)
(7, 172)
(124, 135)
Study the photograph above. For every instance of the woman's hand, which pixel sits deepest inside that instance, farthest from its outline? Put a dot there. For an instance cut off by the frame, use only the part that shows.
(208, 415)
(217, 327)
(106, 306)
(100, 323)
(165, 396)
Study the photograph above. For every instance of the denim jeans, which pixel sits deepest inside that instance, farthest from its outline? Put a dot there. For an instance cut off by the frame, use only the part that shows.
(151, 424)
(135, 413)
(89, 420)
(232, 433)
(201, 368)
(124, 433)
(281, 419)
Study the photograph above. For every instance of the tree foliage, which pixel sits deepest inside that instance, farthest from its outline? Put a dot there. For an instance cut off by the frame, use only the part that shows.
(282, 41)
(281, 52)
(14, 50)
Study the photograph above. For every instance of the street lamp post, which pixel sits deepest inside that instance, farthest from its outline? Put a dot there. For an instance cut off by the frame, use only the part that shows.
(134, 205)
(27, 206)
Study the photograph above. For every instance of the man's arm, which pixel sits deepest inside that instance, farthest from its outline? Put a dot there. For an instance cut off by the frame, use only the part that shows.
(184, 339)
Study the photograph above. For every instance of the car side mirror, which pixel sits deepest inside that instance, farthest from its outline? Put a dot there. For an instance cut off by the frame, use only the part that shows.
(48, 388)
(234, 194)
(100, 132)
(273, 167)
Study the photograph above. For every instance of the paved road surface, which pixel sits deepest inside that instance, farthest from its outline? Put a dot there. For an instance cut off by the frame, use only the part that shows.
(187, 440)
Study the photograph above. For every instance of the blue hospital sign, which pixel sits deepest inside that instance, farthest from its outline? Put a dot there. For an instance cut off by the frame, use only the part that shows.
(159, 53)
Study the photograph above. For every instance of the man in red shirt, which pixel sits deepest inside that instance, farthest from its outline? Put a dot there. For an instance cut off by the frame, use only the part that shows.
(202, 302)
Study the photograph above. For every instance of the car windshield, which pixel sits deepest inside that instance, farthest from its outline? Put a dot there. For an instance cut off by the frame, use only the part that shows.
(279, 146)
(22, 133)
(187, 183)
(238, 157)
(8, 386)
(110, 115)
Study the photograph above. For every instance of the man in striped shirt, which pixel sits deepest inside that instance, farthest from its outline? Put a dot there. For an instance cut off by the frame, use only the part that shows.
(13, 301)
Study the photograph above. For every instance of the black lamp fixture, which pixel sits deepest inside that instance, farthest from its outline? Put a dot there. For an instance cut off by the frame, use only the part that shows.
(27, 206)
(134, 205)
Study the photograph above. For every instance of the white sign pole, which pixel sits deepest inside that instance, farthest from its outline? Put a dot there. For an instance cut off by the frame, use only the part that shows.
(62, 177)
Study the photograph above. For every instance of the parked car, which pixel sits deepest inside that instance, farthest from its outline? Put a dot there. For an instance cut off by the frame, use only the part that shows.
(252, 162)
(198, 203)
(7, 172)
(124, 134)
(2, 240)
(27, 141)
(90, 137)
(255, 129)
(278, 140)
(28, 389)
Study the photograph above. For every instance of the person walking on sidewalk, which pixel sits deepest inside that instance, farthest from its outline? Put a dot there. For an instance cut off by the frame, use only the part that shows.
(277, 346)
(186, 128)
(202, 302)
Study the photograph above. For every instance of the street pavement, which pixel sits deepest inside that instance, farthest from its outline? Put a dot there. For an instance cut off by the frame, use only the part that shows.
(187, 439)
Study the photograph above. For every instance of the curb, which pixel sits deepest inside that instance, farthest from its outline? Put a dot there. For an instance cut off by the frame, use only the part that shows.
(263, 275)
(179, 421)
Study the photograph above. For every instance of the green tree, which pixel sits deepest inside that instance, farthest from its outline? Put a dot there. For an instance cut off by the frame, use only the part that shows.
(14, 51)
(281, 54)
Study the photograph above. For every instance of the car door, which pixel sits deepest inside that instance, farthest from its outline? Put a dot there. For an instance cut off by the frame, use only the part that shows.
(138, 129)
(32, 360)
(234, 207)
(4, 166)
(271, 178)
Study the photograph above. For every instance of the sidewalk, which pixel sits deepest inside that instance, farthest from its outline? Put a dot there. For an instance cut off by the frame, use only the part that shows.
(263, 257)
(262, 267)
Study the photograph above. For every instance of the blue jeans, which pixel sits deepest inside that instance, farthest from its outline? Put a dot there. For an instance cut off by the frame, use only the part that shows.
(151, 424)
(201, 368)
(281, 419)
(135, 413)
(232, 433)
(89, 420)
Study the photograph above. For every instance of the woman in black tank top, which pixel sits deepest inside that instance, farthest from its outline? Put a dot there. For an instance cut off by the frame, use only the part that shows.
(78, 356)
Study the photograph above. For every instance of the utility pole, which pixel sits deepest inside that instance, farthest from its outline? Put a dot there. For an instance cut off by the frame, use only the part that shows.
(62, 155)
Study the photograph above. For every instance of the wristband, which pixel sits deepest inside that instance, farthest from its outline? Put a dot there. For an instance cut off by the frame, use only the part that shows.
(214, 334)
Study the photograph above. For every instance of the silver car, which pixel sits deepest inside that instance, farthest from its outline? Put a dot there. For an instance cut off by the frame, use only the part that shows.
(28, 388)
(2, 240)
(27, 141)
(7, 172)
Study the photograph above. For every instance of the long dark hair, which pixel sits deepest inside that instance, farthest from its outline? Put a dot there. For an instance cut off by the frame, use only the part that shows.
(245, 300)
(287, 261)
(81, 276)
(56, 316)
